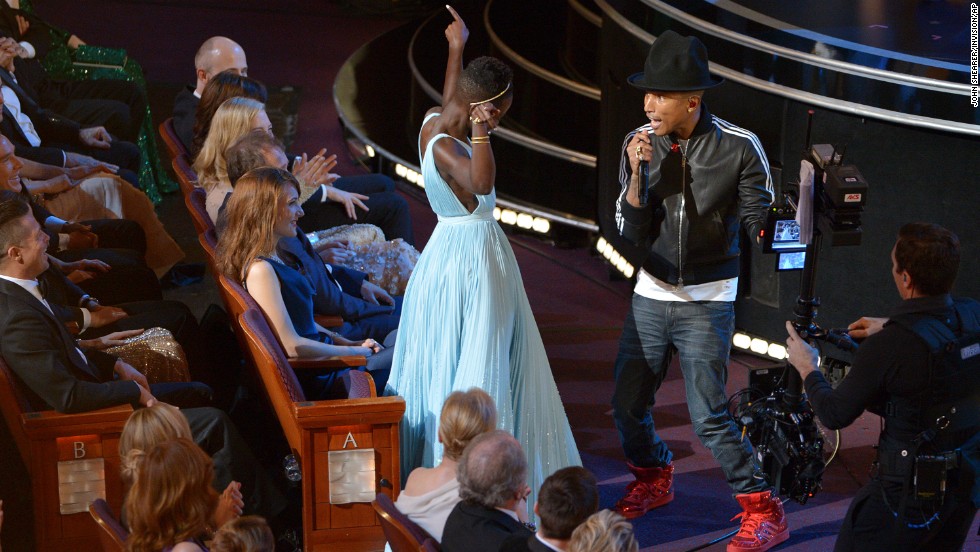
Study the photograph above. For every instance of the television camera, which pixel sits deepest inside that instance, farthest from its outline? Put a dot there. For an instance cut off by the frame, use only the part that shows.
(781, 426)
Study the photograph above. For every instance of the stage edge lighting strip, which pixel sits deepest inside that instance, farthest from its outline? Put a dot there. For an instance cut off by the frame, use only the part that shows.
(614, 257)
(754, 344)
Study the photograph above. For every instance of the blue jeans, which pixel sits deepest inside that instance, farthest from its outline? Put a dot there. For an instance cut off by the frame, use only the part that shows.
(701, 332)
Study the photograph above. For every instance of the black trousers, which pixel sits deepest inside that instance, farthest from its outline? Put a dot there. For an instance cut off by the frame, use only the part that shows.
(870, 522)
(122, 245)
(118, 105)
(215, 433)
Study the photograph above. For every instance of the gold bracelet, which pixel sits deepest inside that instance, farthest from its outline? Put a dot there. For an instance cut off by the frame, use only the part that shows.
(480, 140)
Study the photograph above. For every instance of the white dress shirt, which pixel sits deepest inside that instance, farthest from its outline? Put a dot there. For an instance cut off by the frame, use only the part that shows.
(12, 102)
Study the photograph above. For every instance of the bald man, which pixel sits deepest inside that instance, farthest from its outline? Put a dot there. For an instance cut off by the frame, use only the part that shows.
(217, 54)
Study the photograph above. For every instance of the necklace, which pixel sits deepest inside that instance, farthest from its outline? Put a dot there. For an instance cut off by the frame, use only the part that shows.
(683, 144)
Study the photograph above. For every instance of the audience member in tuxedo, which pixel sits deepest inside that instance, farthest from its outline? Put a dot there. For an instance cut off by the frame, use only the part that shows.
(245, 534)
(95, 320)
(326, 207)
(566, 499)
(86, 193)
(220, 88)
(492, 485)
(38, 348)
(430, 494)
(46, 137)
(119, 244)
(118, 105)
(368, 311)
(170, 505)
(216, 55)
(604, 531)
(263, 210)
(160, 423)
(56, 374)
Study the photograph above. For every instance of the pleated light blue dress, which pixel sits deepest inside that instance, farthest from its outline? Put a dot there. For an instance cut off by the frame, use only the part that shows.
(466, 322)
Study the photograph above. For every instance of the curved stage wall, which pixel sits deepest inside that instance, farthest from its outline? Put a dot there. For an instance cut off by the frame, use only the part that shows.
(914, 172)
(891, 92)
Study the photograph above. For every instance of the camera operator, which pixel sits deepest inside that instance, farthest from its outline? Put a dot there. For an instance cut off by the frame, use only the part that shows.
(901, 374)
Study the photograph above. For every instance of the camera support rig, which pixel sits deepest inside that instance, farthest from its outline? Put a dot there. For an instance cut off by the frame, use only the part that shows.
(781, 426)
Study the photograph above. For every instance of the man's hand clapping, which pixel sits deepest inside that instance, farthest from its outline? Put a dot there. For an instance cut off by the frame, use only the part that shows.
(313, 171)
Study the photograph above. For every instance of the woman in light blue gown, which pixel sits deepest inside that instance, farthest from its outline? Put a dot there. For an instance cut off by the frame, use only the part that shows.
(466, 321)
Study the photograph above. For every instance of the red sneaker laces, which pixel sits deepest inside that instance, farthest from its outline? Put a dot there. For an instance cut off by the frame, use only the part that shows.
(752, 521)
(636, 489)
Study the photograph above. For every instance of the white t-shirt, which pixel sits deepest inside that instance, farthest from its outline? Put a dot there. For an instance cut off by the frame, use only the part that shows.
(652, 288)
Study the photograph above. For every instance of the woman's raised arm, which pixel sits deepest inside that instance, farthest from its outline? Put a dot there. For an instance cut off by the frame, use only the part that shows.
(456, 35)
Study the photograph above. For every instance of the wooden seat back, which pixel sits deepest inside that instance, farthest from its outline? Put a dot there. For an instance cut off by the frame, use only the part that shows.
(316, 431)
(196, 202)
(112, 534)
(170, 139)
(52, 447)
(237, 300)
(186, 177)
(403, 534)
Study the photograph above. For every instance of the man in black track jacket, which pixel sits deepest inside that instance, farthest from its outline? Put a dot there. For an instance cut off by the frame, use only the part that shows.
(707, 178)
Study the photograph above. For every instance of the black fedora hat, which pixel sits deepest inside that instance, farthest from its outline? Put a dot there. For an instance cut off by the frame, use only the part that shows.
(675, 63)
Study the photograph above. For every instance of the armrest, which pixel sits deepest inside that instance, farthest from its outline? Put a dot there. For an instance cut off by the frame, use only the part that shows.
(328, 321)
(319, 414)
(334, 363)
(50, 423)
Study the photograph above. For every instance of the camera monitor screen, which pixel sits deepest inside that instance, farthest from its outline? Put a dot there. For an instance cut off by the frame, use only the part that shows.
(786, 236)
(790, 260)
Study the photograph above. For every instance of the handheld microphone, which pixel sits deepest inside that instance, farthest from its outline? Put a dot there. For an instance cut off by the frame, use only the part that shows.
(644, 170)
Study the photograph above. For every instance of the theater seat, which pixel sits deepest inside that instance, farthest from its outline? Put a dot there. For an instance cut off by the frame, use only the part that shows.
(186, 176)
(346, 450)
(170, 139)
(111, 533)
(71, 459)
(403, 534)
(196, 201)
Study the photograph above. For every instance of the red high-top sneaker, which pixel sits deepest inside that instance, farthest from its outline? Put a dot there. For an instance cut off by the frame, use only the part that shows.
(763, 523)
(651, 489)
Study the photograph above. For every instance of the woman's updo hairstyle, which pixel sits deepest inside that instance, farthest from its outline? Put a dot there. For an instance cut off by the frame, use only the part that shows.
(465, 414)
(484, 78)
